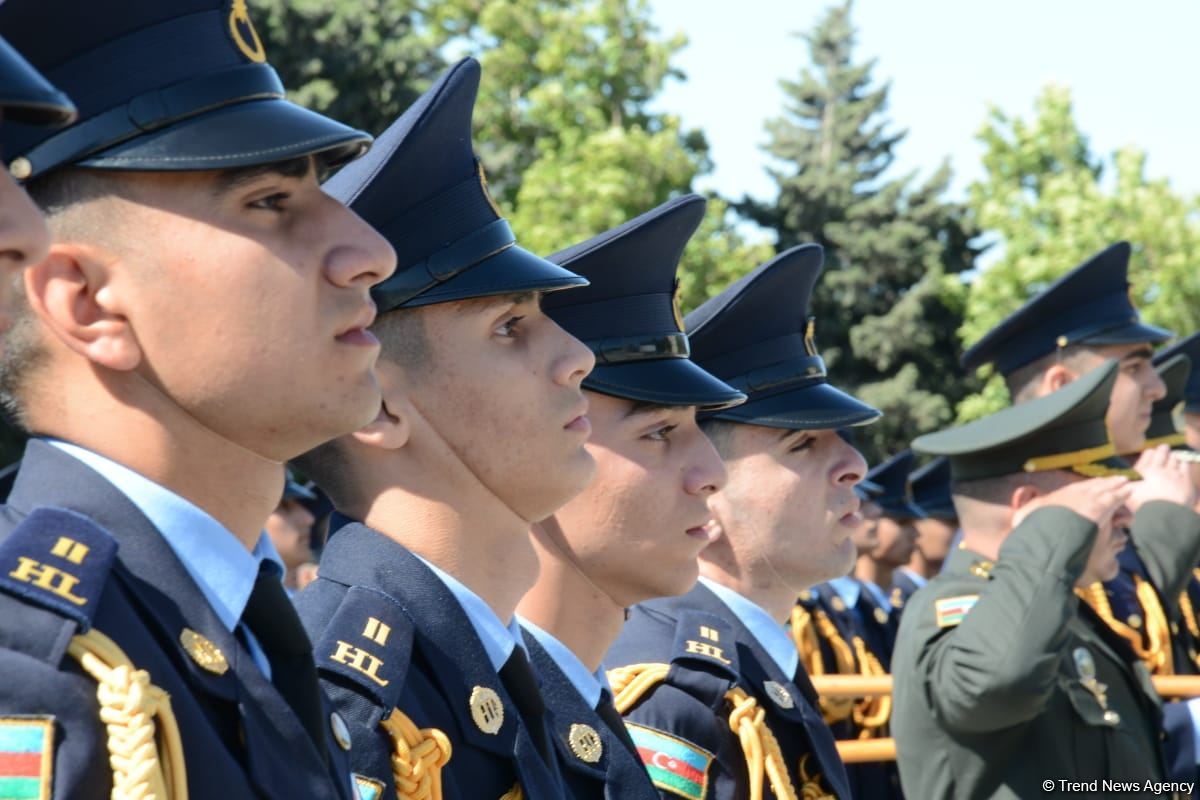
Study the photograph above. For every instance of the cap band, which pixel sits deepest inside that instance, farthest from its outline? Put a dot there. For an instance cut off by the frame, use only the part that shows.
(624, 349)
(790, 374)
(147, 112)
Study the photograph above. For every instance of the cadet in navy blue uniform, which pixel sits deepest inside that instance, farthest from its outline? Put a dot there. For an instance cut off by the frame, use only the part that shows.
(157, 357)
(1065, 331)
(636, 531)
(710, 683)
(936, 530)
(481, 432)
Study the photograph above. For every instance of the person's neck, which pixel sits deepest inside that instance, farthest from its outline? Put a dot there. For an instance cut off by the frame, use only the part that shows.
(870, 569)
(570, 607)
(760, 583)
(985, 544)
(922, 566)
(161, 442)
(482, 544)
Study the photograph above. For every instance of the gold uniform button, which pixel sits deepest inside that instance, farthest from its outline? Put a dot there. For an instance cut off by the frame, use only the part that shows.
(341, 734)
(203, 652)
(585, 743)
(487, 710)
(1112, 718)
(1175, 628)
(881, 616)
(806, 596)
(20, 168)
(838, 604)
(1134, 621)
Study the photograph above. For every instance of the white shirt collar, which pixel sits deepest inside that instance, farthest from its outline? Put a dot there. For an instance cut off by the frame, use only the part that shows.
(881, 599)
(498, 638)
(588, 684)
(767, 631)
(222, 567)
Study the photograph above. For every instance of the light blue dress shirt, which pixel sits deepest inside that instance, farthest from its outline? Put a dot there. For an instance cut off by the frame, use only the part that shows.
(768, 631)
(588, 684)
(498, 639)
(222, 567)
(848, 589)
(916, 577)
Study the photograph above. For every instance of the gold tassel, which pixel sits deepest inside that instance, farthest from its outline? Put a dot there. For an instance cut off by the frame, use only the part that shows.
(418, 755)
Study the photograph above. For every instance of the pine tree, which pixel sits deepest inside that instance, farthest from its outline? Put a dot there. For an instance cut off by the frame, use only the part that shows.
(891, 297)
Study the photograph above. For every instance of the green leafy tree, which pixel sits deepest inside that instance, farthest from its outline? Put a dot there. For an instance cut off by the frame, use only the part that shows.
(1050, 202)
(891, 297)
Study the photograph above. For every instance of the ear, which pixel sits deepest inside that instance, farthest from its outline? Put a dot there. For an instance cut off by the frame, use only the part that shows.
(1055, 378)
(1022, 496)
(392, 427)
(73, 291)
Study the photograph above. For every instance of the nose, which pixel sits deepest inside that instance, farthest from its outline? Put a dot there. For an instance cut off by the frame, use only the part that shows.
(358, 256)
(851, 466)
(575, 360)
(1155, 388)
(705, 474)
(24, 238)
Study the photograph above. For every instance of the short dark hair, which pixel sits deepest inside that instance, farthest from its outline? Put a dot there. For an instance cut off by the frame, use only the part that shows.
(1023, 382)
(403, 339)
(720, 432)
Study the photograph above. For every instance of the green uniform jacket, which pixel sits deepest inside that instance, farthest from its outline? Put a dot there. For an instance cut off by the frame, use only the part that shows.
(990, 667)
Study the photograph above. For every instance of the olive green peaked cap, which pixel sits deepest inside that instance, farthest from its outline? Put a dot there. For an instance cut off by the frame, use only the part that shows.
(1062, 430)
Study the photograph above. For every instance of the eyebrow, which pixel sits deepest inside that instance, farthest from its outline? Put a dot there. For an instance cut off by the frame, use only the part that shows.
(640, 407)
(230, 179)
(1141, 352)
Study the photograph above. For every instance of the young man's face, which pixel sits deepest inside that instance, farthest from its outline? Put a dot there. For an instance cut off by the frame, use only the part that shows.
(1191, 434)
(897, 539)
(23, 241)
(790, 501)
(248, 294)
(866, 535)
(641, 523)
(503, 391)
(934, 537)
(290, 528)
(1137, 387)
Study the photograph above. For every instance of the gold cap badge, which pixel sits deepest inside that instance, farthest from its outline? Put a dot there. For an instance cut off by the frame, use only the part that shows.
(203, 652)
(585, 743)
(487, 710)
(241, 30)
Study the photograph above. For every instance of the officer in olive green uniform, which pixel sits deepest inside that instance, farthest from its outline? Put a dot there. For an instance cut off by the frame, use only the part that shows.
(1005, 684)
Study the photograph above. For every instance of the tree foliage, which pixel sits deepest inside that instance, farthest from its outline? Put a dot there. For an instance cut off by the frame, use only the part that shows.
(890, 300)
(1050, 202)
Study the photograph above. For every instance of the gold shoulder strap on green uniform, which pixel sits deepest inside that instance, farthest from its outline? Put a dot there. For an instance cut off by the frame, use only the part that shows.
(129, 704)
(1155, 649)
(418, 755)
(630, 683)
(807, 629)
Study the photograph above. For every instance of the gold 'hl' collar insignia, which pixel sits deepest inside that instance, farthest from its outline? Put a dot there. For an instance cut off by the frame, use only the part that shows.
(203, 652)
(487, 710)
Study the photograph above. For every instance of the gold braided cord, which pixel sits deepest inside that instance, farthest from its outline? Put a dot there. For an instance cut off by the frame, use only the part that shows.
(147, 760)
(805, 631)
(418, 755)
(1095, 596)
(1188, 612)
(1158, 630)
(763, 755)
(811, 789)
(871, 714)
(515, 793)
(630, 683)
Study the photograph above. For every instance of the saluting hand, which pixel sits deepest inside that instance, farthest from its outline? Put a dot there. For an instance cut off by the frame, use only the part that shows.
(1164, 477)
(1096, 499)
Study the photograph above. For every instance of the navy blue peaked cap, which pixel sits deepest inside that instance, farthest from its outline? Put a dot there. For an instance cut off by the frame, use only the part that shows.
(757, 337)
(422, 187)
(627, 316)
(25, 96)
(930, 487)
(893, 475)
(160, 85)
(1189, 347)
(1089, 305)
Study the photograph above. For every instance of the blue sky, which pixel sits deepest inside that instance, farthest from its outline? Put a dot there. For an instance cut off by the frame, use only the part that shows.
(1132, 68)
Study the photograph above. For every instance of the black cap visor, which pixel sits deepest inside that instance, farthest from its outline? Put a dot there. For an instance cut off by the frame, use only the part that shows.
(817, 406)
(1135, 332)
(242, 135)
(27, 97)
(664, 381)
(510, 271)
(899, 509)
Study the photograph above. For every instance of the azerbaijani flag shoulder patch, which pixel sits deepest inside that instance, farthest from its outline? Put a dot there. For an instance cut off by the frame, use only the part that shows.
(26, 757)
(675, 765)
(951, 611)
